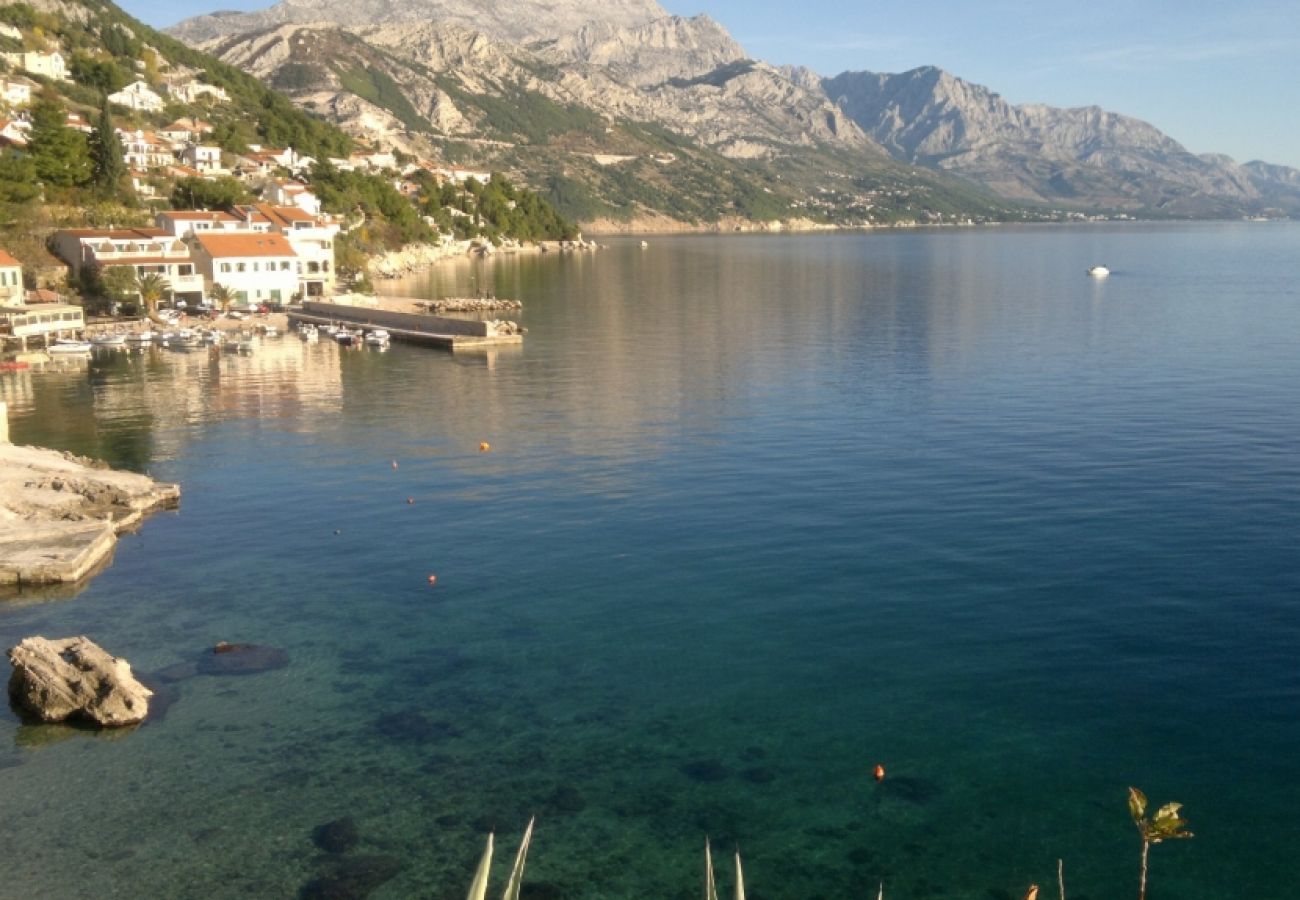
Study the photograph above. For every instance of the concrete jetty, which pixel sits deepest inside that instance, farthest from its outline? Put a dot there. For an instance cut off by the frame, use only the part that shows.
(418, 328)
(60, 515)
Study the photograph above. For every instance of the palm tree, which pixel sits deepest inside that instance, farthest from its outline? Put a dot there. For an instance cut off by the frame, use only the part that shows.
(222, 296)
(152, 287)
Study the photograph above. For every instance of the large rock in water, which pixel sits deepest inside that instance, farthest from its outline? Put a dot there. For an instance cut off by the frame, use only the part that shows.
(54, 680)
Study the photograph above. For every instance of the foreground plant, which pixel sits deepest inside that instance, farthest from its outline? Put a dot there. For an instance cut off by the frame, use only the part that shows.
(478, 888)
(710, 886)
(1163, 826)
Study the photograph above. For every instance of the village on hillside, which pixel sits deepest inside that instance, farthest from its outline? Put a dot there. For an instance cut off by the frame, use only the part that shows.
(204, 210)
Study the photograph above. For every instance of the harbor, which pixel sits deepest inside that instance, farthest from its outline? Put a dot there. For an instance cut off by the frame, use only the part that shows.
(391, 315)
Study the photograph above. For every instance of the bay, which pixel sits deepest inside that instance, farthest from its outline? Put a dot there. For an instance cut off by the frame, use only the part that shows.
(759, 514)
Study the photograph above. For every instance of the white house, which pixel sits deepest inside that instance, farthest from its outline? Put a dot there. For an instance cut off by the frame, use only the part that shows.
(13, 134)
(11, 32)
(11, 280)
(137, 95)
(184, 222)
(204, 157)
(311, 237)
(51, 65)
(143, 150)
(259, 268)
(186, 130)
(281, 192)
(16, 90)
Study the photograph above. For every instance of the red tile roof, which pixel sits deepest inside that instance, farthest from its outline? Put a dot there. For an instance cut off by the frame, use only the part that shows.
(243, 245)
(7, 260)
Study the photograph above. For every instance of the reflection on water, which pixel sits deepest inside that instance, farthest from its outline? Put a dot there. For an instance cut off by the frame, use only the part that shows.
(759, 514)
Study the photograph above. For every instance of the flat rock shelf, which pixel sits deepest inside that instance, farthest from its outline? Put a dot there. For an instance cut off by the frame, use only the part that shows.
(60, 514)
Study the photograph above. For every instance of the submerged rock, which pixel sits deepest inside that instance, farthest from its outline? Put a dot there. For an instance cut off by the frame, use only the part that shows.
(351, 878)
(414, 727)
(54, 680)
(242, 659)
(176, 672)
(336, 837)
(705, 770)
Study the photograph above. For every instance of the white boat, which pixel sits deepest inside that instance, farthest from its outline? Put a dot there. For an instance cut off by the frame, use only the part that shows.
(309, 333)
(108, 340)
(140, 338)
(66, 346)
(378, 338)
(268, 331)
(347, 338)
(1099, 271)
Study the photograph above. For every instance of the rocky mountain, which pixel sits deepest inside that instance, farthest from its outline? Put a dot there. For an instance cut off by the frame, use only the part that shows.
(519, 21)
(1085, 157)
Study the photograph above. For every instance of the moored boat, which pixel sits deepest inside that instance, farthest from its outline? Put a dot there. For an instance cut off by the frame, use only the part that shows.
(67, 346)
(1099, 271)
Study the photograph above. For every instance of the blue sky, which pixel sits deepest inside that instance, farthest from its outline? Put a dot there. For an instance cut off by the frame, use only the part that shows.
(1218, 77)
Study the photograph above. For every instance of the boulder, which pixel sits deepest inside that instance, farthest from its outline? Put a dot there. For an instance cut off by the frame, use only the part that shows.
(54, 680)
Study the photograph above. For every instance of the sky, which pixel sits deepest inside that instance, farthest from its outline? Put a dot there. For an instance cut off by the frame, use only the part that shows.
(1217, 77)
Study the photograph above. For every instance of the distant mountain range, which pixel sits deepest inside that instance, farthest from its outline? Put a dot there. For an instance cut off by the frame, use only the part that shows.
(597, 90)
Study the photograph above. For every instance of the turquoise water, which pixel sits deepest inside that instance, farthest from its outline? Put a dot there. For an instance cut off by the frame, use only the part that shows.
(759, 514)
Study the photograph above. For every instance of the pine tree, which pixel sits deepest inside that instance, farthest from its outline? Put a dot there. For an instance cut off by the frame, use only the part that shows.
(109, 165)
(59, 153)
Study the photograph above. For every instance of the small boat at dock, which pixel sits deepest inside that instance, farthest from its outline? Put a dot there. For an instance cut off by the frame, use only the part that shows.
(378, 338)
(64, 346)
(108, 341)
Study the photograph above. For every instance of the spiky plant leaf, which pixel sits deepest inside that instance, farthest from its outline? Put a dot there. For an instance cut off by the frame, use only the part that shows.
(517, 873)
(740, 879)
(1137, 804)
(478, 889)
(710, 888)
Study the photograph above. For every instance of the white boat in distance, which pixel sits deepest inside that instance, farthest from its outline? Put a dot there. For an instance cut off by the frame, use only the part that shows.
(108, 340)
(67, 346)
(378, 338)
(1099, 271)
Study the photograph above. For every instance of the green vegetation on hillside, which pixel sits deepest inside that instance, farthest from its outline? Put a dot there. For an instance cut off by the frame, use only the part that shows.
(380, 89)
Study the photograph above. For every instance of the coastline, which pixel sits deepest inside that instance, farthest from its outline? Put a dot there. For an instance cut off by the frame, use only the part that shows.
(61, 515)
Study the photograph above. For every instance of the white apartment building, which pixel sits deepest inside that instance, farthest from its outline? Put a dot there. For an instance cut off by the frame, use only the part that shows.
(259, 268)
(143, 250)
(312, 239)
(206, 158)
(51, 65)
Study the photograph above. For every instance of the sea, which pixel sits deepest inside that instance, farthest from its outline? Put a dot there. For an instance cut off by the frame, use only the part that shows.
(757, 514)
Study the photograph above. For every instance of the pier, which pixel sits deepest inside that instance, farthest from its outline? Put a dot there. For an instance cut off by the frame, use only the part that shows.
(416, 328)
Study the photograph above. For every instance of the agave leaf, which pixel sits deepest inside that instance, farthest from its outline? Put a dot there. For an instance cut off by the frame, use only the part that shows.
(517, 873)
(478, 889)
(710, 888)
(740, 879)
(1167, 812)
(1137, 804)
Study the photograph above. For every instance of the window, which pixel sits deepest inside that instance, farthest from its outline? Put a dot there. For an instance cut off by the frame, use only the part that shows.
(225, 267)
(325, 266)
(185, 270)
(239, 267)
(284, 265)
(257, 267)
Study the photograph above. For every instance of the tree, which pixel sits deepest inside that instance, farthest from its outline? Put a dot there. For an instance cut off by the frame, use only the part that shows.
(108, 163)
(222, 296)
(201, 193)
(104, 75)
(59, 153)
(17, 178)
(152, 287)
(1164, 825)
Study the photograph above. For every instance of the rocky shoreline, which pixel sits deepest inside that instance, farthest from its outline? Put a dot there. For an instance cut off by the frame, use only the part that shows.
(60, 514)
(416, 257)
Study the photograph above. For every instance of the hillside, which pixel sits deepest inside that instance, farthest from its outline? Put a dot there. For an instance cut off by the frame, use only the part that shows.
(465, 74)
(664, 123)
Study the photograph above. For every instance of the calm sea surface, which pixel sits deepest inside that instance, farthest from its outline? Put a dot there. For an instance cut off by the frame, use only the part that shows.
(759, 514)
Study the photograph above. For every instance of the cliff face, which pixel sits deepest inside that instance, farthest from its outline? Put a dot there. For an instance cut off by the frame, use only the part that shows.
(1041, 153)
(518, 21)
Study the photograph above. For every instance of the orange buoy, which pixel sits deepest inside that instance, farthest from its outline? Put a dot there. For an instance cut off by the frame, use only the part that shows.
(433, 579)
(880, 772)
(484, 447)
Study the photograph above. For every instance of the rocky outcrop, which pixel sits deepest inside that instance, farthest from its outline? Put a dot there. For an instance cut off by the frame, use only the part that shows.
(60, 514)
(55, 680)
(519, 21)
